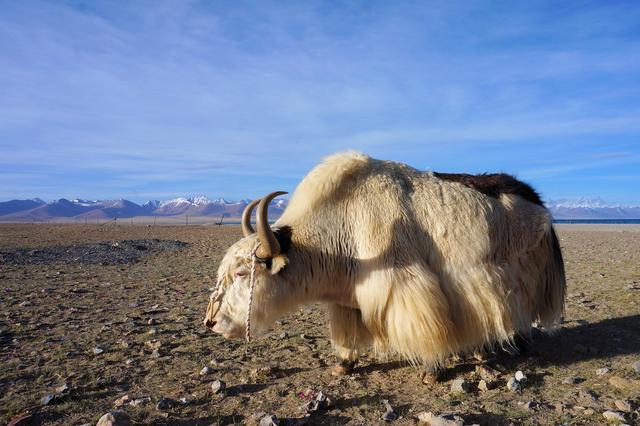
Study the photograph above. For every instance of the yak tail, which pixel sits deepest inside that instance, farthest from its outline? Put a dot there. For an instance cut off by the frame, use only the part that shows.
(554, 285)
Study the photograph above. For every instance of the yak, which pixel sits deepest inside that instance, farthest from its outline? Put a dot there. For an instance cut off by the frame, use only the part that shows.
(421, 264)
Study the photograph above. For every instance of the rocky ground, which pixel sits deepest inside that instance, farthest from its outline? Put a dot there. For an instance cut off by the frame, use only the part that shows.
(99, 318)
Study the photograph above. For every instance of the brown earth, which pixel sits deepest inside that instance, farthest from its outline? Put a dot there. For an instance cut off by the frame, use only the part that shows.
(53, 315)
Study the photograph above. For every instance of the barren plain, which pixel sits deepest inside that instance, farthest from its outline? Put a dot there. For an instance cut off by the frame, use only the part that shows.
(93, 317)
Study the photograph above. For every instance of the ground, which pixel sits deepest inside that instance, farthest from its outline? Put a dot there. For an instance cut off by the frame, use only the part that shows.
(94, 324)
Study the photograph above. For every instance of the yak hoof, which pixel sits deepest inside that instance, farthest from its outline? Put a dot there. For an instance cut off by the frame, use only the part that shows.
(432, 377)
(343, 368)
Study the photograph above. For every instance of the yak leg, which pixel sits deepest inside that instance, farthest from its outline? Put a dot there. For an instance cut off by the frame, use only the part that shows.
(348, 335)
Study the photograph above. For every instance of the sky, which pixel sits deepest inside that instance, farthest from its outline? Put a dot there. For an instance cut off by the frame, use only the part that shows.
(158, 99)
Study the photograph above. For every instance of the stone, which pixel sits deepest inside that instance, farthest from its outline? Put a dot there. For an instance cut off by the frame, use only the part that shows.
(520, 377)
(636, 366)
(571, 380)
(483, 385)
(206, 370)
(284, 335)
(97, 351)
(460, 386)
(121, 401)
(389, 415)
(218, 386)
(151, 321)
(114, 418)
(440, 420)
(165, 404)
(589, 412)
(513, 385)
(320, 403)
(602, 371)
(269, 420)
(613, 416)
(624, 406)
(137, 402)
(587, 395)
(155, 353)
(487, 373)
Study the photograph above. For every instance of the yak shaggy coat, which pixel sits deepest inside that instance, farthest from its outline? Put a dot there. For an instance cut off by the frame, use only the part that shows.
(411, 262)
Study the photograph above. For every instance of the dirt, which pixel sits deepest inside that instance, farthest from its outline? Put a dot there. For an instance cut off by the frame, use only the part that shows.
(94, 325)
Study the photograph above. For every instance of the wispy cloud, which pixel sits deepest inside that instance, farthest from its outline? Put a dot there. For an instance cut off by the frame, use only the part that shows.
(170, 97)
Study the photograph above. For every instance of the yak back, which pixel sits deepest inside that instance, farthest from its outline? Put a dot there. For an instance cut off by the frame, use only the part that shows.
(494, 184)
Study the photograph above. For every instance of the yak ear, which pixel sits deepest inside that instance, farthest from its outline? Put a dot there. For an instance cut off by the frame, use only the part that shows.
(277, 263)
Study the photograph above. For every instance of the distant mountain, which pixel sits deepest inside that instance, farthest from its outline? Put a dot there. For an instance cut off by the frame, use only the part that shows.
(13, 206)
(597, 208)
(79, 209)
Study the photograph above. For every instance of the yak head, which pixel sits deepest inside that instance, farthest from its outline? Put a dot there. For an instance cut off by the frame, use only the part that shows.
(261, 250)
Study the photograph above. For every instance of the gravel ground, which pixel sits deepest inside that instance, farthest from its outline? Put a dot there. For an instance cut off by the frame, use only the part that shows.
(80, 339)
(118, 252)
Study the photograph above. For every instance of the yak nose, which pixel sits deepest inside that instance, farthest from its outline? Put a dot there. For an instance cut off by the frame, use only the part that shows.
(209, 323)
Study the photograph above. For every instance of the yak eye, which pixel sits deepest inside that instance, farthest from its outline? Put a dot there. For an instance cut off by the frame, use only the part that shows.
(241, 273)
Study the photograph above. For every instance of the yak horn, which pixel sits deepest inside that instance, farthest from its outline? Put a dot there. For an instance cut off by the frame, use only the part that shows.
(247, 229)
(269, 246)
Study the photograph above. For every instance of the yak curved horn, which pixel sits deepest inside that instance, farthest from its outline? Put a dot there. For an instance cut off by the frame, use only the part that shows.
(247, 229)
(269, 246)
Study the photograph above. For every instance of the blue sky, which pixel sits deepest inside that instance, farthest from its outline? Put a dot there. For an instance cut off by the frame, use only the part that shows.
(153, 99)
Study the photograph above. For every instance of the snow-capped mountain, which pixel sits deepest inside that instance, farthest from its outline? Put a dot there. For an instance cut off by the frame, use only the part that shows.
(38, 210)
(591, 208)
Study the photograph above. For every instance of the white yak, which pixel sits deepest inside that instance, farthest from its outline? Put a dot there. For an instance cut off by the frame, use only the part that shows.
(421, 264)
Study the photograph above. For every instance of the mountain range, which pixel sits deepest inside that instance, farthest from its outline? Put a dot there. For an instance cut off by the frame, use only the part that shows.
(37, 210)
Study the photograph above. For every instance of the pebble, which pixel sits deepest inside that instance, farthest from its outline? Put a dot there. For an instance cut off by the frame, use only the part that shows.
(589, 412)
(602, 371)
(587, 395)
(153, 331)
(483, 385)
(513, 385)
(520, 376)
(151, 321)
(206, 370)
(487, 373)
(269, 420)
(636, 366)
(218, 386)
(97, 351)
(529, 405)
(613, 416)
(165, 404)
(121, 401)
(319, 403)
(140, 401)
(114, 418)
(623, 405)
(571, 380)
(440, 420)
(460, 386)
(389, 415)
(284, 335)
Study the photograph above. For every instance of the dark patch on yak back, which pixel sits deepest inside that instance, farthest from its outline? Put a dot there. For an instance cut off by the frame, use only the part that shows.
(493, 184)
